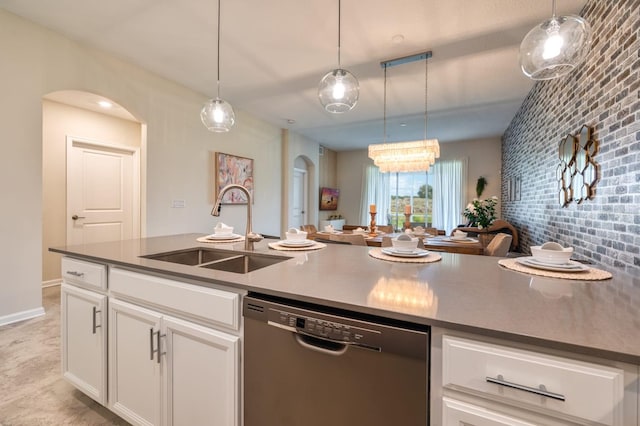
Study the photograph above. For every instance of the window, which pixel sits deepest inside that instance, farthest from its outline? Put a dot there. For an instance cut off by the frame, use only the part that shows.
(410, 189)
(436, 197)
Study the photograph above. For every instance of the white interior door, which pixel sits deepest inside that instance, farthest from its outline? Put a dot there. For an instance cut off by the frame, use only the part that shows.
(299, 207)
(102, 192)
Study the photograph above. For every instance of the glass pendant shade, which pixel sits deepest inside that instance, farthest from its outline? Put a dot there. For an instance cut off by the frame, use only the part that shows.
(338, 91)
(555, 47)
(217, 115)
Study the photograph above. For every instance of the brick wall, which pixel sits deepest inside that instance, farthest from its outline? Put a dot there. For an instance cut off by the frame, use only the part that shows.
(603, 94)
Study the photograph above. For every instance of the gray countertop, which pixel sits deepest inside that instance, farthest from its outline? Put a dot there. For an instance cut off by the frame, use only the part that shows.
(463, 292)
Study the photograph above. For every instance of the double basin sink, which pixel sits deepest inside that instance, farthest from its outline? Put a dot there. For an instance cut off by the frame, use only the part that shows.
(220, 260)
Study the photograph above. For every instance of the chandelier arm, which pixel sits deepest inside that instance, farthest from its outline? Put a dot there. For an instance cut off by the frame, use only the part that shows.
(426, 86)
(384, 108)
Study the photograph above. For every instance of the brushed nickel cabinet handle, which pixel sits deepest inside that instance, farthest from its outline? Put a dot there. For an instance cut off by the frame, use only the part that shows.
(158, 337)
(95, 326)
(76, 273)
(541, 390)
(151, 350)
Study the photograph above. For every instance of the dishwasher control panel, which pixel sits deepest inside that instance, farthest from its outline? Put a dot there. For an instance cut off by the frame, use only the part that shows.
(322, 328)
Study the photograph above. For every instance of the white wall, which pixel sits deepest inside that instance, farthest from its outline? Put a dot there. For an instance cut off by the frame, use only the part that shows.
(295, 146)
(36, 62)
(60, 121)
(350, 173)
(484, 160)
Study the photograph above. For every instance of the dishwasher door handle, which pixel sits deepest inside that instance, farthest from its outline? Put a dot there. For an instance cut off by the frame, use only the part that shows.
(307, 343)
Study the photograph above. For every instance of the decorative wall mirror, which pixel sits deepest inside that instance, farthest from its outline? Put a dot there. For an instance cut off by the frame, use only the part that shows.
(577, 173)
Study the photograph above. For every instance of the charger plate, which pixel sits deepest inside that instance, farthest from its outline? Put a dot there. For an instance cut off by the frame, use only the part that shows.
(590, 274)
(377, 253)
(220, 241)
(315, 246)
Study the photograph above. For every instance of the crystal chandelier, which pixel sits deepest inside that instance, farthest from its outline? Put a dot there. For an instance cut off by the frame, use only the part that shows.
(411, 156)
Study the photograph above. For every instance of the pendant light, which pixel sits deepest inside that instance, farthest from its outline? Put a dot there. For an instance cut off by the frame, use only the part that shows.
(555, 47)
(217, 114)
(411, 156)
(338, 90)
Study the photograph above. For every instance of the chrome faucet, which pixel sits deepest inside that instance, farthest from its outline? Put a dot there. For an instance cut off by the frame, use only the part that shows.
(250, 237)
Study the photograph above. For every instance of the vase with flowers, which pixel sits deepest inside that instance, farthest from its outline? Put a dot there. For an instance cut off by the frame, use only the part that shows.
(481, 213)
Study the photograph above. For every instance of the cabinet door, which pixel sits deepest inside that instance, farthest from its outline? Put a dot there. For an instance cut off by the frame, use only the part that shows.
(83, 332)
(134, 368)
(201, 375)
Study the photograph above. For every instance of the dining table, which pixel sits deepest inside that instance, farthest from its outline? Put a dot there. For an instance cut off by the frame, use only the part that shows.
(436, 243)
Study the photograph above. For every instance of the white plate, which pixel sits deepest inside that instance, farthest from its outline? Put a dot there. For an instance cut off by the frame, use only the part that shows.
(566, 267)
(415, 253)
(223, 237)
(327, 233)
(296, 243)
(460, 240)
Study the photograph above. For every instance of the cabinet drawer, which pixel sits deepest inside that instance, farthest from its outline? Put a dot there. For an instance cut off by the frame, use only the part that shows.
(461, 413)
(575, 388)
(206, 304)
(86, 274)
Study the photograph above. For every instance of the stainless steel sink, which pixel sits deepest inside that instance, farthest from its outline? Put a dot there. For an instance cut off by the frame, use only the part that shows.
(221, 260)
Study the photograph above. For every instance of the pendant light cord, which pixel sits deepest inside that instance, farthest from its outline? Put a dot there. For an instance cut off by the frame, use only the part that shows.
(339, 8)
(553, 9)
(218, 49)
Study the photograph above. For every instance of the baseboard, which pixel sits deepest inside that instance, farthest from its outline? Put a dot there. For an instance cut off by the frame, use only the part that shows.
(51, 283)
(21, 316)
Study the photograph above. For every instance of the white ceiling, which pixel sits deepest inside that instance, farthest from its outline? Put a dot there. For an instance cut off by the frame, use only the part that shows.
(274, 53)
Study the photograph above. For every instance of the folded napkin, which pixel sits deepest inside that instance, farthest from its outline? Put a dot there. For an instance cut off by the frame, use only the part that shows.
(221, 228)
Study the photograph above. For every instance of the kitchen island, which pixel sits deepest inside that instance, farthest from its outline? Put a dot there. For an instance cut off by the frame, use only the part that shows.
(463, 295)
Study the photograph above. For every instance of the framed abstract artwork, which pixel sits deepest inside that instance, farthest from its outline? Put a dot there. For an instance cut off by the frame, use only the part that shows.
(231, 169)
(329, 198)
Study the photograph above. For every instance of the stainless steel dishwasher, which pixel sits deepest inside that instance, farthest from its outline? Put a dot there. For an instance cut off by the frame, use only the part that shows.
(310, 366)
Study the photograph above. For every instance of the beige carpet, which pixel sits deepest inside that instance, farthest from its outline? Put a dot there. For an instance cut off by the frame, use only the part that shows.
(32, 390)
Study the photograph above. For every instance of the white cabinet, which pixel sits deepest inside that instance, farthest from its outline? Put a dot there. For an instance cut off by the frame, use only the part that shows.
(460, 413)
(489, 382)
(201, 380)
(336, 223)
(168, 370)
(83, 335)
(134, 370)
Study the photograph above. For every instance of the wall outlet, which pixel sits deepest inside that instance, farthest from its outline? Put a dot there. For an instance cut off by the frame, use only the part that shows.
(178, 204)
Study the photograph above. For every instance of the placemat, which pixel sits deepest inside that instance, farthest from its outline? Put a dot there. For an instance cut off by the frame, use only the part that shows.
(378, 254)
(207, 240)
(593, 274)
(316, 245)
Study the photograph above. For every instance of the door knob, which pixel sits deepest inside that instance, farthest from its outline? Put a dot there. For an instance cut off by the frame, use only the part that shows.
(76, 217)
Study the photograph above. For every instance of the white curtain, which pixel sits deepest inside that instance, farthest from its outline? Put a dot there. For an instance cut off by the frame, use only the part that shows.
(449, 189)
(375, 190)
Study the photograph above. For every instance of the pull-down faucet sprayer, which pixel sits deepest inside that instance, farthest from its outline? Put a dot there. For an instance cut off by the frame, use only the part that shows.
(250, 237)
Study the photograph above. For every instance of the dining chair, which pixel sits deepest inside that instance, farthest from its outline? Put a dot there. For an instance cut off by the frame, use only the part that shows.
(388, 229)
(329, 241)
(355, 239)
(499, 245)
(309, 229)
